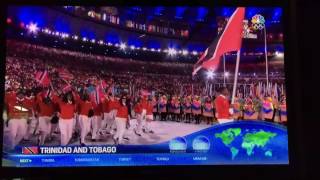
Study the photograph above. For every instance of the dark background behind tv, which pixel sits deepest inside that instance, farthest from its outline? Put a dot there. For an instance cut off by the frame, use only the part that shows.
(304, 32)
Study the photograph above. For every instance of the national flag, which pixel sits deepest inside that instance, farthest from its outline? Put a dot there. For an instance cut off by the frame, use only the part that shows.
(97, 95)
(42, 77)
(66, 88)
(229, 40)
(102, 85)
(144, 92)
(275, 91)
(65, 74)
(47, 93)
(30, 150)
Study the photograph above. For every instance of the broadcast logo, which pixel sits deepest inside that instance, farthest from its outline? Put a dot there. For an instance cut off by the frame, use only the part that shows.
(201, 144)
(178, 144)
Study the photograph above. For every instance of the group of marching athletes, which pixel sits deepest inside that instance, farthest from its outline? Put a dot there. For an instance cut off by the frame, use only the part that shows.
(72, 114)
(210, 109)
(76, 114)
(185, 109)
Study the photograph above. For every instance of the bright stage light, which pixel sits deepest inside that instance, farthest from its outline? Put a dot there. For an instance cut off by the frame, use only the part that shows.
(93, 40)
(116, 45)
(123, 46)
(75, 37)
(185, 52)
(172, 51)
(132, 47)
(64, 35)
(100, 42)
(226, 74)
(109, 44)
(279, 54)
(194, 52)
(137, 47)
(84, 39)
(152, 49)
(210, 74)
(159, 50)
(144, 48)
(33, 28)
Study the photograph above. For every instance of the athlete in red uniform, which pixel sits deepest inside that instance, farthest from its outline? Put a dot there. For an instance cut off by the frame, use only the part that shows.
(18, 113)
(67, 112)
(85, 106)
(121, 120)
(45, 110)
(149, 117)
(142, 112)
(222, 106)
(96, 120)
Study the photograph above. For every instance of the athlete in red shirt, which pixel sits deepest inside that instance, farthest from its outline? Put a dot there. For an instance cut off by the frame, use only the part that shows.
(85, 106)
(222, 106)
(32, 120)
(18, 113)
(67, 111)
(141, 111)
(122, 118)
(149, 117)
(45, 110)
(96, 120)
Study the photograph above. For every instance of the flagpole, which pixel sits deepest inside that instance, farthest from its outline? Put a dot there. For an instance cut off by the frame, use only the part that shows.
(235, 78)
(265, 52)
(224, 71)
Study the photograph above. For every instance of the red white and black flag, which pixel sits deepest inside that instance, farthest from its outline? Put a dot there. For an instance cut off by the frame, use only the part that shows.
(42, 77)
(229, 40)
(65, 74)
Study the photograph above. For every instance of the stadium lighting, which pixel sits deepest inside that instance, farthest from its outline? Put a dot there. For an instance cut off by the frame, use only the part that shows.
(278, 54)
(210, 74)
(226, 74)
(64, 35)
(185, 52)
(84, 39)
(194, 52)
(33, 28)
(172, 51)
(132, 47)
(123, 46)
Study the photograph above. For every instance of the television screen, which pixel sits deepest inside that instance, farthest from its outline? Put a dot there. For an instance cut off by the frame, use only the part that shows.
(141, 85)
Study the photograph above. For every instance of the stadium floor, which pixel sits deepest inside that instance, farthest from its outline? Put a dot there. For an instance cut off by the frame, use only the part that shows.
(163, 131)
